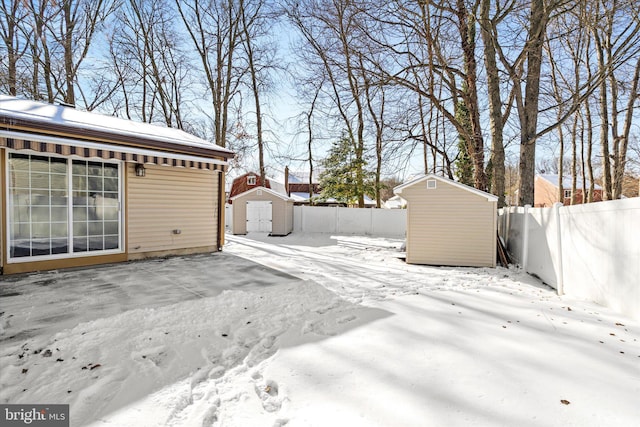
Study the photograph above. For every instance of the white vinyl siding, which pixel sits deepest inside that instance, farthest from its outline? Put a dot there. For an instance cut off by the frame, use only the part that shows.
(171, 208)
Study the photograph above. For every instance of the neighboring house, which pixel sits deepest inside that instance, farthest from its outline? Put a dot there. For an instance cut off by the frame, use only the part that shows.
(298, 187)
(449, 223)
(251, 180)
(545, 191)
(80, 189)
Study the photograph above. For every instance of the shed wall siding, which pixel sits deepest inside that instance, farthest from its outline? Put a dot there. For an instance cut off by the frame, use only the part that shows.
(239, 223)
(168, 199)
(288, 218)
(449, 226)
(281, 214)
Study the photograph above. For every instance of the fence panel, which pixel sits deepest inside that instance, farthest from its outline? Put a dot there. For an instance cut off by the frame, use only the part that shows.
(511, 229)
(601, 253)
(374, 222)
(587, 251)
(389, 222)
(542, 255)
(228, 217)
(310, 219)
(354, 221)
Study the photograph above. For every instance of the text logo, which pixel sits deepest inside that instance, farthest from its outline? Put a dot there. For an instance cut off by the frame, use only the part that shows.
(34, 415)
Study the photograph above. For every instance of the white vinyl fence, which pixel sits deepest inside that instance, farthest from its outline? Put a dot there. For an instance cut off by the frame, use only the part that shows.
(589, 251)
(374, 222)
(228, 217)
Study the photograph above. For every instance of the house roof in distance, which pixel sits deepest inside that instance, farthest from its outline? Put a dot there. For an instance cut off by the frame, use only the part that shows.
(239, 184)
(398, 190)
(41, 118)
(566, 180)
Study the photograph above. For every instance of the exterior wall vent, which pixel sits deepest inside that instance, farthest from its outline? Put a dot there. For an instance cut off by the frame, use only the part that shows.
(431, 184)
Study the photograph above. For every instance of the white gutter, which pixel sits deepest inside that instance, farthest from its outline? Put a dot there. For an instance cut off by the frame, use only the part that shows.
(106, 147)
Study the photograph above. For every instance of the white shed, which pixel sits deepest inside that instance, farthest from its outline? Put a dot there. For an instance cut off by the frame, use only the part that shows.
(262, 210)
(449, 223)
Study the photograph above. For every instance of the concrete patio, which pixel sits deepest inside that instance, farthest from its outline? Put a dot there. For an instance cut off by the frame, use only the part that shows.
(49, 302)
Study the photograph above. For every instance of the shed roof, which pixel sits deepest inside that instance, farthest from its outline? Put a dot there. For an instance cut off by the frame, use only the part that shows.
(398, 190)
(42, 118)
(266, 190)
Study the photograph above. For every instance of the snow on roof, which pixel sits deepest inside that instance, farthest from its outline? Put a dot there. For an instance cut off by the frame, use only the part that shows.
(277, 186)
(398, 190)
(16, 108)
(368, 200)
(299, 177)
(266, 190)
(300, 197)
(395, 202)
(566, 180)
(294, 179)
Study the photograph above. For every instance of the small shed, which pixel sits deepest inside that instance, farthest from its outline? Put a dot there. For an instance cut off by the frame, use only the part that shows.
(262, 210)
(449, 223)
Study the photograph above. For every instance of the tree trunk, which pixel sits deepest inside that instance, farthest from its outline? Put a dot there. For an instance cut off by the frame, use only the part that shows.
(253, 75)
(69, 24)
(466, 27)
(529, 115)
(587, 110)
(574, 159)
(560, 164)
(604, 118)
(623, 139)
(496, 123)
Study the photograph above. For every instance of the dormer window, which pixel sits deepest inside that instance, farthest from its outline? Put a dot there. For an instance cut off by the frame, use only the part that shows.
(251, 180)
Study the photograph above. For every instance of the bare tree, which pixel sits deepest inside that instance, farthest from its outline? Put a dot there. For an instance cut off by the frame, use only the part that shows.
(12, 16)
(214, 28)
(259, 54)
(331, 31)
(151, 51)
(60, 37)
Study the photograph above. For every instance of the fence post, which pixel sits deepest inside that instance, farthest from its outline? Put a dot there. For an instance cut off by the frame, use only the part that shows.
(560, 278)
(507, 227)
(371, 221)
(525, 237)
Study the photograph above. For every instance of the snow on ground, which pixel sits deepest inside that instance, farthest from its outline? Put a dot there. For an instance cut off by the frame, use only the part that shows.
(363, 339)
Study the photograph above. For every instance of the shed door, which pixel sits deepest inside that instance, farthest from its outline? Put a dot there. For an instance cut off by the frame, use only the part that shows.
(259, 216)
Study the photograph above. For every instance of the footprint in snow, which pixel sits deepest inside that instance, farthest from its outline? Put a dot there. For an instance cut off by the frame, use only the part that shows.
(323, 310)
(318, 327)
(211, 415)
(268, 392)
(346, 319)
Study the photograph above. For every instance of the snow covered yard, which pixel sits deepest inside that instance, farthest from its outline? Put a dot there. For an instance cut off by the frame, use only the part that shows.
(363, 339)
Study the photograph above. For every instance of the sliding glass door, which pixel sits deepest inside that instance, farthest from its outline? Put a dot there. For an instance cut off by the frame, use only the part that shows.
(60, 207)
